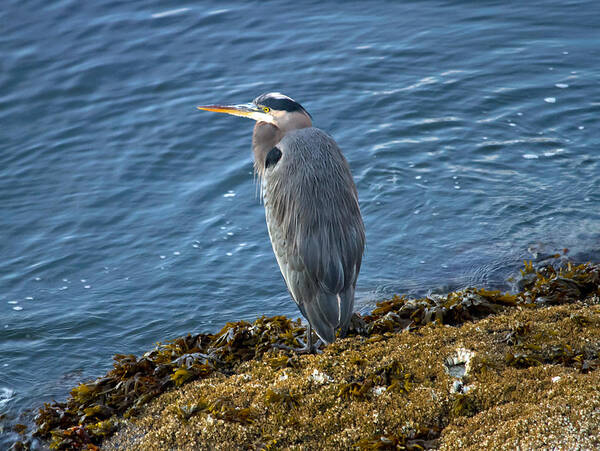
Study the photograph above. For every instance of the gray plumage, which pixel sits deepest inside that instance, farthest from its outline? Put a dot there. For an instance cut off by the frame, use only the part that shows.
(316, 230)
(311, 208)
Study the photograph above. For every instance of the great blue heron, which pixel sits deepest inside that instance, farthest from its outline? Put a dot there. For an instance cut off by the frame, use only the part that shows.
(311, 208)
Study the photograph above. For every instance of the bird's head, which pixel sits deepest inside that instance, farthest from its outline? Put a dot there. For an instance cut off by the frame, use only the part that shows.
(272, 108)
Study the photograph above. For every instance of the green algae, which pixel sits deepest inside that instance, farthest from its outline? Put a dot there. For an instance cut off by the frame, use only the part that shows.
(93, 411)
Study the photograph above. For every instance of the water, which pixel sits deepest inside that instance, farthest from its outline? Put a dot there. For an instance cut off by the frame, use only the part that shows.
(129, 217)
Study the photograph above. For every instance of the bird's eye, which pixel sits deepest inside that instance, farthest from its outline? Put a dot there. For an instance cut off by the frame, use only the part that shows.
(266, 109)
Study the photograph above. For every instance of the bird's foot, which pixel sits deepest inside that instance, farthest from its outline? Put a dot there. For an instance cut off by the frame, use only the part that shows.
(305, 348)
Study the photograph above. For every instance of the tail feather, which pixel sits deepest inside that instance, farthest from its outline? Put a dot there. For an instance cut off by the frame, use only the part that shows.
(329, 312)
(347, 306)
(320, 322)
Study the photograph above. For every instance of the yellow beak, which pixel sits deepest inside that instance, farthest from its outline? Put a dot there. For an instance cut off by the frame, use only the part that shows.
(248, 110)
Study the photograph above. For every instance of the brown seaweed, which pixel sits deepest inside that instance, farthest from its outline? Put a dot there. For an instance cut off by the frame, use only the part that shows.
(94, 408)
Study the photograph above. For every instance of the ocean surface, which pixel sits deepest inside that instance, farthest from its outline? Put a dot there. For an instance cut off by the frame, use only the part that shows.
(129, 217)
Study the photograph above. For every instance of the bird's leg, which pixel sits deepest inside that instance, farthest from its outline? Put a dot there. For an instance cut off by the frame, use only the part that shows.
(308, 348)
(309, 343)
(311, 347)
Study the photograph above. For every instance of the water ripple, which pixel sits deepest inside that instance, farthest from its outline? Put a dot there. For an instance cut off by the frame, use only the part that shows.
(116, 188)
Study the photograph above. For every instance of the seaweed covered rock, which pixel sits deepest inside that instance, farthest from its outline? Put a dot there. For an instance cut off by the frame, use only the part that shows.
(93, 409)
(436, 388)
(377, 389)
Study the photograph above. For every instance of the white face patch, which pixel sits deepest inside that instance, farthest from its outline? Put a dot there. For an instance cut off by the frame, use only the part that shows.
(261, 117)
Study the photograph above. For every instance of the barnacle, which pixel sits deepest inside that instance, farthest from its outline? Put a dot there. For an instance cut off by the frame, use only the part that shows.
(458, 365)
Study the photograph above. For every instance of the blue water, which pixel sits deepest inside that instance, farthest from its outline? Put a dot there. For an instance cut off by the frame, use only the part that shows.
(129, 217)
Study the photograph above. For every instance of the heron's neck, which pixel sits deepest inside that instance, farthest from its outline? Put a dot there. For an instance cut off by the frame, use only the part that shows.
(265, 137)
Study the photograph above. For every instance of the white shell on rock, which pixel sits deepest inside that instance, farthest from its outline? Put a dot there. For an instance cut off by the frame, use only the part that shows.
(320, 378)
(379, 390)
(458, 365)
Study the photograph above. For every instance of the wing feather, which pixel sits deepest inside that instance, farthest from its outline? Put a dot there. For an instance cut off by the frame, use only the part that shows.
(315, 226)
